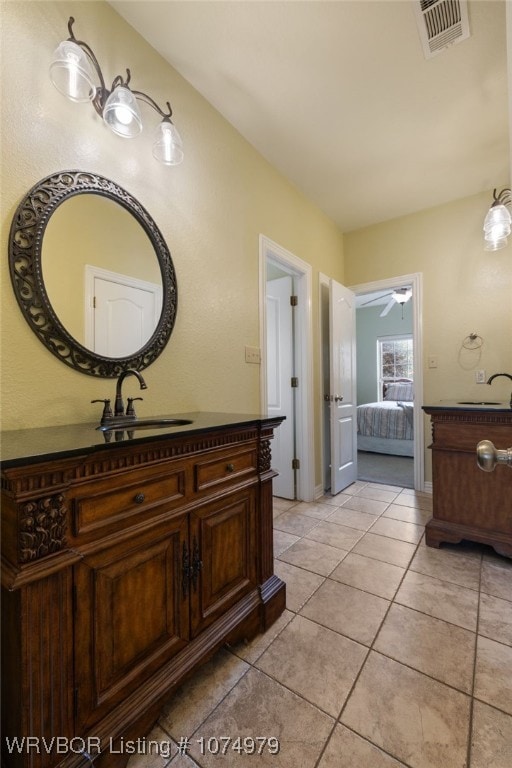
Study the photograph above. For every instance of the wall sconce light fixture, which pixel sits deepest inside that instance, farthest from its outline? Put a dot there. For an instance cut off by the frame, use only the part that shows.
(497, 224)
(75, 72)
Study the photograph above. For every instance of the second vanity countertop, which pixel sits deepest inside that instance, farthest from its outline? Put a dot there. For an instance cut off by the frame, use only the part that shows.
(29, 446)
(454, 405)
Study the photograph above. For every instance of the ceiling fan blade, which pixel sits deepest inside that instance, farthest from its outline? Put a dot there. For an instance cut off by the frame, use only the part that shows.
(387, 308)
(377, 298)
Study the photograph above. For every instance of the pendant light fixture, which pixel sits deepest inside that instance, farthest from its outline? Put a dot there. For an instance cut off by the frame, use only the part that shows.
(76, 73)
(498, 221)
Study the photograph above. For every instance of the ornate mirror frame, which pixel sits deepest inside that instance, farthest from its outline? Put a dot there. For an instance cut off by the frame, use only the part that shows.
(25, 264)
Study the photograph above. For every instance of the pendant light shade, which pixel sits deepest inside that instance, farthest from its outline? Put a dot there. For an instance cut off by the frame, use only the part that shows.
(121, 113)
(71, 72)
(168, 147)
(498, 222)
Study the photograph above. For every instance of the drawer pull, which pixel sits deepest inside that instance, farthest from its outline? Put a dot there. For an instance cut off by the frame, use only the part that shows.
(139, 498)
(230, 467)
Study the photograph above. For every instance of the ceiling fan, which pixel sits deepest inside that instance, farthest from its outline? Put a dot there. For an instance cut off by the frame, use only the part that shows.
(398, 296)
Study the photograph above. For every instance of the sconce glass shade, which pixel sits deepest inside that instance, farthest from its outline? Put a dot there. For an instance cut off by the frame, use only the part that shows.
(168, 147)
(121, 113)
(497, 227)
(71, 72)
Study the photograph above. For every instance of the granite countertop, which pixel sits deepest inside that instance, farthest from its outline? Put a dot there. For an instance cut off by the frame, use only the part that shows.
(473, 405)
(29, 446)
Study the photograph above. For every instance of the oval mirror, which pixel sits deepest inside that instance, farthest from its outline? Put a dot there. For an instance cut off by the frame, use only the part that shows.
(92, 274)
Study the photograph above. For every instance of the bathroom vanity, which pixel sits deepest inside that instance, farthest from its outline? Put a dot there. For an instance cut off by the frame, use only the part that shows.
(467, 502)
(128, 558)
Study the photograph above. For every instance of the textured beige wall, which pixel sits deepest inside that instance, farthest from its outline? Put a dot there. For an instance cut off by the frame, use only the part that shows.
(211, 210)
(465, 290)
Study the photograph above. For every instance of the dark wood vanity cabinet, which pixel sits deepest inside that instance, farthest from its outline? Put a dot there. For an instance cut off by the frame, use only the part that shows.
(469, 504)
(122, 570)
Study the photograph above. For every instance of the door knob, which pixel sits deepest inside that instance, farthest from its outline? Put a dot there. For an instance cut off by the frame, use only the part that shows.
(338, 398)
(487, 456)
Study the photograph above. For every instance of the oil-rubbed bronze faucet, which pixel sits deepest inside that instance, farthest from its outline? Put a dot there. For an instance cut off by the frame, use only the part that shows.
(495, 376)
(119, 416)
(119, 405)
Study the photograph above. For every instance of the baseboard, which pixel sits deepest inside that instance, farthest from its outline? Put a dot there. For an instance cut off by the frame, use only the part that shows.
(427, 486)
(319, 491)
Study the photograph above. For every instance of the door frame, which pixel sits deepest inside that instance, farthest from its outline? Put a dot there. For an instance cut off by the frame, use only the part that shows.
(269, 251)
(416, 280)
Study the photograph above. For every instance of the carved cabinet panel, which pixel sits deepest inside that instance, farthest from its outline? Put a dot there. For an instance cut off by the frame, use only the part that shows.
(130, 616)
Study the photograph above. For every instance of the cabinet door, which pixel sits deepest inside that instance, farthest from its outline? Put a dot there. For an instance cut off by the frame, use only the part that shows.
(223, 555)
(131, 616)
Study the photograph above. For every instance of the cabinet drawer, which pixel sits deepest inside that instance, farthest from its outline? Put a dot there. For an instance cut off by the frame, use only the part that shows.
(137, 493)
(211, 472)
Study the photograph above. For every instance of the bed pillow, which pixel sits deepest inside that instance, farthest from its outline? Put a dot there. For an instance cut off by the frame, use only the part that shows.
(400, 391)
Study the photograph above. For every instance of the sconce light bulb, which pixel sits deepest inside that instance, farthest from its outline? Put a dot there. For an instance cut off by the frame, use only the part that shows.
(168, 147)
(121, 113)
(71, 72)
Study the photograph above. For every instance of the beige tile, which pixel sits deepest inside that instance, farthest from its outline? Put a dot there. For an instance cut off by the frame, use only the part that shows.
(497, 577)
(261, 707)
(313, 556)
(181, 760)
(372, 492)
(441, 599)
(194, 700)
(412, 717)
(385, 549)
(348, 750)
(352, 518)
(251, 650)
(408, 514)
(495, 618)
(334, 501)
(323, 677)
(369, 505)
(447, 565)
(493, 674)
(314, 509)
(410, 498)
(282, 541)
(429, 645)
(295, 523)
(335, 535)
(368, 574)
(491, 743)
(300, 584)
(283, 504)
(350, 611)
(354, 488)
(397, 529)
(154, 751)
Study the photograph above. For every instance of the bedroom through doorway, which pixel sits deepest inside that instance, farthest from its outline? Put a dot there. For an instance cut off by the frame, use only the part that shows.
(385, 385)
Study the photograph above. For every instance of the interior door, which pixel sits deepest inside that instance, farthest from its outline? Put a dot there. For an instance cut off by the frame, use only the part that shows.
(280, 393)
(123, 311)
(342, 395)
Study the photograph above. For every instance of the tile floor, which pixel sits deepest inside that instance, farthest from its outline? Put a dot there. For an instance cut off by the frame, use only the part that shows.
(389, 653)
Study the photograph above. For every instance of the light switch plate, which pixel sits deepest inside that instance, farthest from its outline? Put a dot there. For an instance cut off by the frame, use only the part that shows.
(480, 377)
(252, 355)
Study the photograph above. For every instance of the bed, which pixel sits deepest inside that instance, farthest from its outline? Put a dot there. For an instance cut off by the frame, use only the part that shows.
(387, 426)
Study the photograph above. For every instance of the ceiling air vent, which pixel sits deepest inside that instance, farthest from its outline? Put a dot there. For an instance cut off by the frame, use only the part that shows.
(441, 23)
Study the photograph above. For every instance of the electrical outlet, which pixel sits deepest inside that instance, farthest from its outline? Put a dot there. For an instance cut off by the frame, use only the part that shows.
(480, 377)
(252, 355)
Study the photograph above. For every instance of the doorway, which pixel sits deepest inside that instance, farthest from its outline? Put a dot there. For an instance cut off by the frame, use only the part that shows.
(388, 347)
(414, 281)
(295, 443)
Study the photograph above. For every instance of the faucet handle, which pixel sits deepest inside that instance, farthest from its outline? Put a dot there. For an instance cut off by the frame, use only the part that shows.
(107, 410)
(130, 410)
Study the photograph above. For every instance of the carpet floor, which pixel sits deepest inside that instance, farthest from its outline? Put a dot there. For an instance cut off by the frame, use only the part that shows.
(383, 468)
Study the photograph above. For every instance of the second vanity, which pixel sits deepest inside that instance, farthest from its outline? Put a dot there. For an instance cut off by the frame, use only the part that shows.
(469, 504)
(125, 564)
